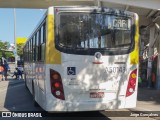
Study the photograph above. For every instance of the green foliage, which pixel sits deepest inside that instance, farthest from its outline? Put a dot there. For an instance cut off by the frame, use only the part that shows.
(9, 55)
(20, 49)
(3, 50)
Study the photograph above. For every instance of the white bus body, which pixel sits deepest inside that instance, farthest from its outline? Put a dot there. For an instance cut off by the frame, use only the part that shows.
(92, 77)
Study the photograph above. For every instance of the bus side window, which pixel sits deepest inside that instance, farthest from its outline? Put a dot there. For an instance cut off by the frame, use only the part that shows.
(39, 45)
(43, 40)
(34, 48)
(29, 54)
(37, 50)
(31, 50)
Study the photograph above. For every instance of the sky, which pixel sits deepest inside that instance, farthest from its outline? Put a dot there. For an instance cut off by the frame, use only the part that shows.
(26, 21)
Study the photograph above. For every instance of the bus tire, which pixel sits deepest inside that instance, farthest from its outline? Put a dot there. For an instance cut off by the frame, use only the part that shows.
(33, 93)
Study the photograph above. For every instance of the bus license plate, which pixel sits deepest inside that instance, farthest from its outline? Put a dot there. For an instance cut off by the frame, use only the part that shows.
(96, 94)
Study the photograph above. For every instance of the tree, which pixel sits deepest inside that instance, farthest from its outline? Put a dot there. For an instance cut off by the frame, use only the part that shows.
(3, 50)
(9, 54)
(20, 49)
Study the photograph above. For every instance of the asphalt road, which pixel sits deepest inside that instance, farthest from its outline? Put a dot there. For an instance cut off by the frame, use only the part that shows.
(17, 98)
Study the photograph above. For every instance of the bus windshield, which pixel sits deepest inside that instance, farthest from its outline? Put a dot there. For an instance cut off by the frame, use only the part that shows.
(84, 30)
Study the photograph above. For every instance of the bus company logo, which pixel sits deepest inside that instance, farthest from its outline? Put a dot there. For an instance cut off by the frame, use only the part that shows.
(6, 114)
(98, 55)
(71, 70)
(21, 114)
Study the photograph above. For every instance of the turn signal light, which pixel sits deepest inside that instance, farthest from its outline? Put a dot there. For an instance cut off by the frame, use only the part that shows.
(55, 76)
(133, 75)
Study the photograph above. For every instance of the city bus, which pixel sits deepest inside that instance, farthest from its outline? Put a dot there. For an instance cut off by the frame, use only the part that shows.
(83, 58)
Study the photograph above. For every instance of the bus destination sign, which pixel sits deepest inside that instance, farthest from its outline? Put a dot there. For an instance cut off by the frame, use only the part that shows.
(119, 23)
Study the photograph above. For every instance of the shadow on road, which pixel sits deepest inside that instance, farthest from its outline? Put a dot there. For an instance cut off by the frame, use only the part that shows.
(18, 99)
(145, 94)
(77, 114)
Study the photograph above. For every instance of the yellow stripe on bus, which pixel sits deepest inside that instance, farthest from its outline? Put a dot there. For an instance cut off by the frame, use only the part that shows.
(134, 56)
(53, 56)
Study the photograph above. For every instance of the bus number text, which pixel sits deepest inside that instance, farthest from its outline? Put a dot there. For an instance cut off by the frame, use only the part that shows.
(115, 69)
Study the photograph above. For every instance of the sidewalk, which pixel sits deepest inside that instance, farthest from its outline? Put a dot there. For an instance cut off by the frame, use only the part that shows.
(148, 100)
(10, 80)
